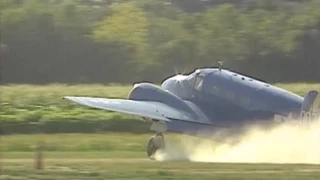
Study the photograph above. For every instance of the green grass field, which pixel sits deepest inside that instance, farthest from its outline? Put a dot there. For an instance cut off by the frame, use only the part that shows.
(142, 169)
(102, 155)
(121, 156)
(32, 108)
(75, 142)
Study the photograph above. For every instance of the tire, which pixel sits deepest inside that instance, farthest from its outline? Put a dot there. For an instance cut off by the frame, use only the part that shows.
(155, 143)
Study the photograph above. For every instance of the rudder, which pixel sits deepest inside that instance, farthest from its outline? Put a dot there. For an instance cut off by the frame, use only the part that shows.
(311, 106)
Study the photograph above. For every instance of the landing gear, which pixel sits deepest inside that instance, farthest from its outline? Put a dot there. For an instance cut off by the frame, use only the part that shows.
(155, 143)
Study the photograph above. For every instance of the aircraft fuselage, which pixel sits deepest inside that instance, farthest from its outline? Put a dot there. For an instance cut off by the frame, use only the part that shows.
(228, 98)
(207, 103)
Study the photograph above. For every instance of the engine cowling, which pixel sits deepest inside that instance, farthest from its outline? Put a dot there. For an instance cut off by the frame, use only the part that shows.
(151, 92)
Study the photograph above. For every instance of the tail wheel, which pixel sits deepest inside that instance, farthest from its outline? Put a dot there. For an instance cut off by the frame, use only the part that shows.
(155, 143)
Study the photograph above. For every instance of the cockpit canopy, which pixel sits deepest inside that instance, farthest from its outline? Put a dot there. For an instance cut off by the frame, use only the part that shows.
(184, 86)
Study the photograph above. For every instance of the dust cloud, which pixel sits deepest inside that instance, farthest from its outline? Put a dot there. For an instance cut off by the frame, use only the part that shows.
(286, 143)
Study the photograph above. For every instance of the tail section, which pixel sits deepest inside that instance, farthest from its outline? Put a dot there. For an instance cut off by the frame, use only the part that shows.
(310, 109)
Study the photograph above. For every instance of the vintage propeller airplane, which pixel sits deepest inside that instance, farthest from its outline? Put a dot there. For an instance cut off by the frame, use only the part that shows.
(204, 101)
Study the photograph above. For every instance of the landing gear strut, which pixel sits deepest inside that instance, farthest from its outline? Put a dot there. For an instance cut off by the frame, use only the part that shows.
(155, 143)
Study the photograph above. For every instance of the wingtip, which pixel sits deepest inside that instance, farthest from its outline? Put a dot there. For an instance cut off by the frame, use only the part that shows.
(65, 97)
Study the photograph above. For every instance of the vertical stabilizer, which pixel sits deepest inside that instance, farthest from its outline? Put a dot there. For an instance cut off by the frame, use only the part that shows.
(310, 108)
(309, 100)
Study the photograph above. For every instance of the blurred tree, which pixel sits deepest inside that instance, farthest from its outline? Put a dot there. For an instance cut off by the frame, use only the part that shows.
(220, 34)
(104, 41)
(126, 26)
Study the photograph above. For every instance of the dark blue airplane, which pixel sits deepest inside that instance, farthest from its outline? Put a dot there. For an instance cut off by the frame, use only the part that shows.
(206, 101)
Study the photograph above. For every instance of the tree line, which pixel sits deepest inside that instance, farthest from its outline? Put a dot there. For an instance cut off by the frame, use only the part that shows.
(122, 41)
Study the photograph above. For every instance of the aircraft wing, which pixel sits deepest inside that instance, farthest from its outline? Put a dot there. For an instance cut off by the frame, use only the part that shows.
(147, 109)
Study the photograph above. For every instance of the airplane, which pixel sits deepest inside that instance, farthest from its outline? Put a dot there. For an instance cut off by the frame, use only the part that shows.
(206, 100)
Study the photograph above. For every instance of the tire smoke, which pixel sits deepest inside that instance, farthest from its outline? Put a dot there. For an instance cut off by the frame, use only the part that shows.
(285, 143)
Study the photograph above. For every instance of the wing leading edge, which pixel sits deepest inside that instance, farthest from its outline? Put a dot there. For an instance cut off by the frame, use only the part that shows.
(147, 109)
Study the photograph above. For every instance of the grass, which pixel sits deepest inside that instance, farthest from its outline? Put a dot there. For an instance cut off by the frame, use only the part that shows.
(42, 102)
(11, 91)
(34, 108)
(116, 156)
(24, 105)
(143, 169)
(101, 145)
(75, 142)
(75, 154)
(108, 143)
(111, 156)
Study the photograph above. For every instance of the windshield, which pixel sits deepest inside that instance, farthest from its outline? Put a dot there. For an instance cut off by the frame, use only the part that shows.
(196, 82)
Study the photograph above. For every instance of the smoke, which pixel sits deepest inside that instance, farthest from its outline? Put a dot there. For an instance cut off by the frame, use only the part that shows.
(285, 143)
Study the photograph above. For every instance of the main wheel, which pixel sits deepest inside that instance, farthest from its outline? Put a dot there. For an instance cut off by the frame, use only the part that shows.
(155, 143)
